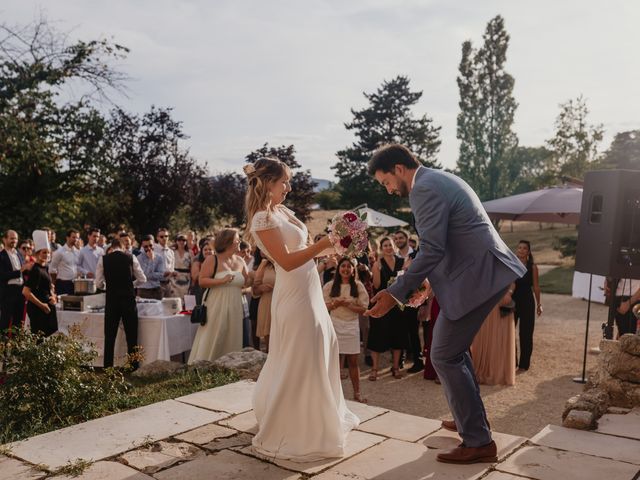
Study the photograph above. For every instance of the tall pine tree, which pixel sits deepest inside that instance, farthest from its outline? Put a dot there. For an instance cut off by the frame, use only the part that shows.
(387, 119)
(487, 108)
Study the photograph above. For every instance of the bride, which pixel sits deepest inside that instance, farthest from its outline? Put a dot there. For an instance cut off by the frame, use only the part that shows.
(298, 400)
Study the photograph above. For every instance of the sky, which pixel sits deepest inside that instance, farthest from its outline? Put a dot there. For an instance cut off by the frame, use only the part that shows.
(241, 73)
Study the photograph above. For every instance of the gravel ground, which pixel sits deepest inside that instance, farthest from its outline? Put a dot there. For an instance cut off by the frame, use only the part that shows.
(539, 395)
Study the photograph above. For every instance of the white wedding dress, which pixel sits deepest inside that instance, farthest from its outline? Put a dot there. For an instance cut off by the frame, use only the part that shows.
(298, 400)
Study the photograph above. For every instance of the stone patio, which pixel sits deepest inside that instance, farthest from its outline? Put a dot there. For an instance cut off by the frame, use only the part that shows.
(208, 435)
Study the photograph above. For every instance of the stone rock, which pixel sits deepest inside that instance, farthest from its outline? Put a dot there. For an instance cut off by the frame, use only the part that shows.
(160, 455)
(582, 420)
(247, 363)
(204, 366)
(159, 368)
(630, 344)
(621, 394)
(618, 410)
(595, 401)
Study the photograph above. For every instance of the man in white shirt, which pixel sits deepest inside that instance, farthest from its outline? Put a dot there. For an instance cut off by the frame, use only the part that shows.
(64, 264)
(12, 266)
(90, 254)
(162, 249)
(626, 296)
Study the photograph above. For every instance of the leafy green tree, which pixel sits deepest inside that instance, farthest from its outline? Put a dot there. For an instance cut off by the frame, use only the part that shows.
(301, 196)
(624, 151)
(487, 108)
(575, 143)
(529, 169)
(387, 119)
(227, 196)
(48, 146)
(152, 174)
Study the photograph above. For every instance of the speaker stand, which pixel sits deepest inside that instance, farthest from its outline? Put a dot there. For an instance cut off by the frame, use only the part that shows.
(586, 336)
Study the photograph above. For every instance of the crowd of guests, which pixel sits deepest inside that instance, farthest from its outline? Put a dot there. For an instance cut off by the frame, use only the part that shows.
(235, 282)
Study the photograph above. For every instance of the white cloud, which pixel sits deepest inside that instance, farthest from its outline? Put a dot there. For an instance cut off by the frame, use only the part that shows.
(241, 73)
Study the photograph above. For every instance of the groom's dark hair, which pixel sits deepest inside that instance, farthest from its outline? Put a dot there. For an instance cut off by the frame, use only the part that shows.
(388, 156)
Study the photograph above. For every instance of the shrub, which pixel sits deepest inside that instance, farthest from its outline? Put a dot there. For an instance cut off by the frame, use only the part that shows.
(567, 246)
(47, 385)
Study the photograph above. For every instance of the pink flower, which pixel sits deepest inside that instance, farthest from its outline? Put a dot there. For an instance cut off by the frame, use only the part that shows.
(350, 217)
(346, 241)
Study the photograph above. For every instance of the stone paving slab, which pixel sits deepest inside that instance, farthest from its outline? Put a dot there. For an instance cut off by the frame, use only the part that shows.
(444, 440)
(401, 426)
(226, 465)
(627, 425)
(245, 422)
(160, 456)
(589, 443)
(206, 434)
(544, 463)
(232, 398)
(356, 442)
(365, 412)
(502, 476)
(240, 440)
(109, 436)
(11, 469)
(398, 460)
(108, 471)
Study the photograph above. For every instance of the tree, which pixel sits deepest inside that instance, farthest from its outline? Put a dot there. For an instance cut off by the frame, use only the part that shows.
(387, 119)
(487, 109)
(301, 196)
(624, 151)
(48, 148)
(227, 195)
(575, 143)
(152, 175)
(529, 169)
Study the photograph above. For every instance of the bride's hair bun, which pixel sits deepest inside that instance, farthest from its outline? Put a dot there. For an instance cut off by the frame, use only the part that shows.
(249, 169)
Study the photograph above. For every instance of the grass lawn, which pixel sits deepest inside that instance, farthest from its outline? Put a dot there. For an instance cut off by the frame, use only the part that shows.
(559, 280)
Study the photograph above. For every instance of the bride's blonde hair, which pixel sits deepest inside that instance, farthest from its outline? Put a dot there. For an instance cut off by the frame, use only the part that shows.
(260, 175)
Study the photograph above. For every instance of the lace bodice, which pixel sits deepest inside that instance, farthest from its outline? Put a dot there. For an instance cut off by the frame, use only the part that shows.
(293, 231)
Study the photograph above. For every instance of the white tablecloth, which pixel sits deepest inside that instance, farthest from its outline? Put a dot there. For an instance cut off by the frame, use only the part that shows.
(581, 287)
(160, 337)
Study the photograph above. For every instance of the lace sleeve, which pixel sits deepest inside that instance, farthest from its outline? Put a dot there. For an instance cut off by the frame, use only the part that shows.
(264, 221)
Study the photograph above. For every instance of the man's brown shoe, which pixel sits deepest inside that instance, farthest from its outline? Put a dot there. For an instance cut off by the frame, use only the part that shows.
(452, 427)
(464, 455)
(449, 425)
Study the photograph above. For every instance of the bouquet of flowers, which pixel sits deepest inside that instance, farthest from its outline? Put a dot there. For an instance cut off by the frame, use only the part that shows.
(348, 234)
(417, 297)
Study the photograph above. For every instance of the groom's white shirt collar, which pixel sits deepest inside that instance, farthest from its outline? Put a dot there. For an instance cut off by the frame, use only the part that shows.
(413, 180)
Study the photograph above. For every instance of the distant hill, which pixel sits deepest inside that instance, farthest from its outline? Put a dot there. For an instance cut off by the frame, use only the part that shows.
(321, 184)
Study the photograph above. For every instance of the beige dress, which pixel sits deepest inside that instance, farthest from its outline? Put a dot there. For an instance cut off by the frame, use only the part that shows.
(222, 333)
(346, 323)
(494, 350)
(264, 306)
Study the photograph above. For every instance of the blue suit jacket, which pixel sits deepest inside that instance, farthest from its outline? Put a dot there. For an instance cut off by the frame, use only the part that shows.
(461, 253)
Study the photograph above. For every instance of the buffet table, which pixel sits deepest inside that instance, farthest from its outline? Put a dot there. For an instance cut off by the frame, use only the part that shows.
(160, 336)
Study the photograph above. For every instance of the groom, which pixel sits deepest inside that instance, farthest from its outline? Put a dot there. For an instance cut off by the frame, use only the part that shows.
(469, 268)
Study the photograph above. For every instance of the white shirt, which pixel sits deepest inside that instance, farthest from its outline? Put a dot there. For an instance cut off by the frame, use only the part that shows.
(413, 180)
(64, 263)
(627, 287)
(137, 272)
(168, 255)
(89, 257)
(15, 263)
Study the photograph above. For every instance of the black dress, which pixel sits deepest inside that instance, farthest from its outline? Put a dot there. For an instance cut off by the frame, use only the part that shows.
(391, 331)
(39, 282)
(525, 312)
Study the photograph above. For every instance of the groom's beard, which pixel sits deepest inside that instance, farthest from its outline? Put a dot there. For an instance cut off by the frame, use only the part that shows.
(403, 189)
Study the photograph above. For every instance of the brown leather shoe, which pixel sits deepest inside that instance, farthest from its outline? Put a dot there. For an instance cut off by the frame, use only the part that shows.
(452, 427)
(464, 455)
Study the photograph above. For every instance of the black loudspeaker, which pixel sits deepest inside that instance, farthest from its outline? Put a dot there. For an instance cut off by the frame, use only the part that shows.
(609, 232)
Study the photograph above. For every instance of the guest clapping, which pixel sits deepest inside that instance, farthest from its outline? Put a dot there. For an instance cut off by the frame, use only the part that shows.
(346, 298)
(224, 275)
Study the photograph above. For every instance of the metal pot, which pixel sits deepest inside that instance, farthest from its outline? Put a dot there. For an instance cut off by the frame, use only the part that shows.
(84, 286)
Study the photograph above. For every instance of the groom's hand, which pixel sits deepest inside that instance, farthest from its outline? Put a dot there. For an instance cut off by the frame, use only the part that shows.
(383, 302)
